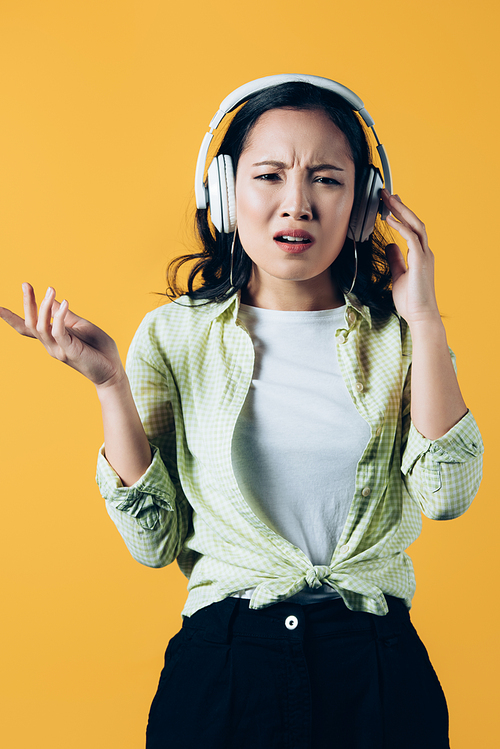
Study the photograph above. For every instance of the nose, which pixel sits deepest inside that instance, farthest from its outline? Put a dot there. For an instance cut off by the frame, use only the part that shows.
(296, 202)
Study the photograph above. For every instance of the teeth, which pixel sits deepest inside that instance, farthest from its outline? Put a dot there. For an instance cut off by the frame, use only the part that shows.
(294, 239)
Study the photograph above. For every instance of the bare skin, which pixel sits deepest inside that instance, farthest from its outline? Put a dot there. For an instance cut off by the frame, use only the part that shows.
(88, 349)
(295, 174)
(436, 400)
(298, 198)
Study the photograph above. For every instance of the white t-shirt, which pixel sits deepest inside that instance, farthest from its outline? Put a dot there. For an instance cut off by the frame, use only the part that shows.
(299, 437)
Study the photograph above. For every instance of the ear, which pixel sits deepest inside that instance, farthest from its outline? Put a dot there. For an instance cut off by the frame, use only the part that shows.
(230, 218)
(221, 194)
(366, 204)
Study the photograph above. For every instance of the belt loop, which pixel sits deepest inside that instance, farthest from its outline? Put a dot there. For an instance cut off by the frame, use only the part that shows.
(388, 627)
(222, 614)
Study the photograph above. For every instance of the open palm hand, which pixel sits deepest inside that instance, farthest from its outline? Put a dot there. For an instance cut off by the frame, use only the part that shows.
(67, 337)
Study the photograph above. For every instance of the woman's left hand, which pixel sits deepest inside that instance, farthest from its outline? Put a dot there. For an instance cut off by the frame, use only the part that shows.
(412, 282)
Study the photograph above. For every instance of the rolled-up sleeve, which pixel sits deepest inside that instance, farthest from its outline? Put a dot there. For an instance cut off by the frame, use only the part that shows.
(152, 515)
(442, 476)
(150, 519)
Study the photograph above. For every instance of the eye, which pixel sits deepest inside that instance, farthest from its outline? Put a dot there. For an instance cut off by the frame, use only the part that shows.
(327, 181)
(272, 177)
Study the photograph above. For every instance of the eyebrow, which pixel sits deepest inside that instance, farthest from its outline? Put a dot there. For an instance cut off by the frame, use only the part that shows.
(314, 168)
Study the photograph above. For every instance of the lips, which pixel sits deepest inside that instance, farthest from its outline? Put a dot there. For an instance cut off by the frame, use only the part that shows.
(294, 240)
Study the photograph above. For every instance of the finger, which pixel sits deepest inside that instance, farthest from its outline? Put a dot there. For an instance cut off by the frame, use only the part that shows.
(15, 322)
(399, 209)
(30, 309)
(43, 326)
(70, 318)
(45, 308)
(59, 329)
(408, 218)
(396, 261)
(386, 197)
(412, 238)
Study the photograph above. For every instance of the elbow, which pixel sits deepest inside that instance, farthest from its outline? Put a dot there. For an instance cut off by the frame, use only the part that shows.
(446, 490)
(154, 563)
(448, 507)
(162, 550)
(154, 540)
(444, 513)
(158, 555)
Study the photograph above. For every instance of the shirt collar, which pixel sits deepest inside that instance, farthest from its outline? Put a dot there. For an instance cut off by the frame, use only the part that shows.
(215, 309)
(364, 311)
(212, 310)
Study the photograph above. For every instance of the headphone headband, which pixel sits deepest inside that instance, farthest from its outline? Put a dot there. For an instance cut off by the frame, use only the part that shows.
(260, 84)
(248, 90)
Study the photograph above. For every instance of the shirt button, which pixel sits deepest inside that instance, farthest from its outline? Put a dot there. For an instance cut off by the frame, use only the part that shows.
(378, 431)
(344, 549)
(359, 387)
(341, 339)
(291, 622)
(351, 316)
(366, 491)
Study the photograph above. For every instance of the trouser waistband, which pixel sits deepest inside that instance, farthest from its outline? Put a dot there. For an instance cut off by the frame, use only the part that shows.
(232, 617)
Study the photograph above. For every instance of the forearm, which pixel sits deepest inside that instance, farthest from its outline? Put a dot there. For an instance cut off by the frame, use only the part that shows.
(126, 445)
(436, 400)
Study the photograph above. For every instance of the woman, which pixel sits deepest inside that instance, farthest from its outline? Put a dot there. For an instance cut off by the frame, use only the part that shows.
(272, 446)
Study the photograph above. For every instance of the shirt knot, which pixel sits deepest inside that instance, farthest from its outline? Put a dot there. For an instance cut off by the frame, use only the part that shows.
(317, 574)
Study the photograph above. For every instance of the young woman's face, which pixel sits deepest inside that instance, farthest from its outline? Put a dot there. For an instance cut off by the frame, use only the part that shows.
(294, 194)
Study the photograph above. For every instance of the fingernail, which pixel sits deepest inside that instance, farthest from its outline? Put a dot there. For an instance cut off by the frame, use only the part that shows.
(48, 292)
(24, 287)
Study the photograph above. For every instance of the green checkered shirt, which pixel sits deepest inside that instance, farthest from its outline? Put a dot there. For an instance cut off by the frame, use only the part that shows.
(190, 367)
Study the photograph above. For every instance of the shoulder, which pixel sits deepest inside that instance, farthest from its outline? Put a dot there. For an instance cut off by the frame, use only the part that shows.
(182, 311)
(169, 327)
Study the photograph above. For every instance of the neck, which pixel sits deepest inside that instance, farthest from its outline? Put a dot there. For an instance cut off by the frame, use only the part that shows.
(308, 295)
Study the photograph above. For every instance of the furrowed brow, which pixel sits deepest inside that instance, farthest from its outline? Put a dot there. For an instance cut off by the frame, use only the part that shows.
(324, 167)
(279, 164)
(314, 168)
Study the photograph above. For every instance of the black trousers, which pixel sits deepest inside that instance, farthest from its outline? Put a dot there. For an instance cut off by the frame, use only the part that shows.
(289, 676)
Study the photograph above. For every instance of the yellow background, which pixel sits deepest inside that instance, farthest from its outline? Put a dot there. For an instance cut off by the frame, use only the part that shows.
(104, 104)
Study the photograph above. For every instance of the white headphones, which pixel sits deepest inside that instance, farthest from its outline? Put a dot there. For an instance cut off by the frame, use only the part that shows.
(219, 191)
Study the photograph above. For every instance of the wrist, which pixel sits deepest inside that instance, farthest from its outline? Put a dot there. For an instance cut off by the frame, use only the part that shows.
(432, 325)
(115, 386)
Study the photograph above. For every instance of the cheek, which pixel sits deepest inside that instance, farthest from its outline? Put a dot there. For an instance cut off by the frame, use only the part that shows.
(338, 215)
(250, 204)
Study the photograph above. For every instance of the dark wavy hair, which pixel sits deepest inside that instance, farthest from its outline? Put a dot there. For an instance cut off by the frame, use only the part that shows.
(212, 266)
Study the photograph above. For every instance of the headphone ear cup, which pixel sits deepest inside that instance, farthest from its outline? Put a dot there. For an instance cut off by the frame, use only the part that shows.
(366, 205)
(214, 194)
(230, 221)
(221, 194)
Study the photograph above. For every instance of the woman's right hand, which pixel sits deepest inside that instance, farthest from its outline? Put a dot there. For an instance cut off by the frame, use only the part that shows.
(69, 338)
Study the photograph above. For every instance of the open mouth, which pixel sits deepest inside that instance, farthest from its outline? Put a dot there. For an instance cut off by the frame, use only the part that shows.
(294, 240)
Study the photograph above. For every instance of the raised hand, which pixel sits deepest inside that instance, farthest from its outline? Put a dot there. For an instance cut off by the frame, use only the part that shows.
(436, 400)
(412, 282)
(68, 337)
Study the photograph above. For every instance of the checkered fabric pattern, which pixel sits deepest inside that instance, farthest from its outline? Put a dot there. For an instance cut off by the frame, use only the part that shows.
(190, 367)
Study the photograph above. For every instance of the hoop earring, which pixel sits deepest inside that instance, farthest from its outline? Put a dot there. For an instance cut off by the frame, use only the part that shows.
(232, 258)
(355, 266)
